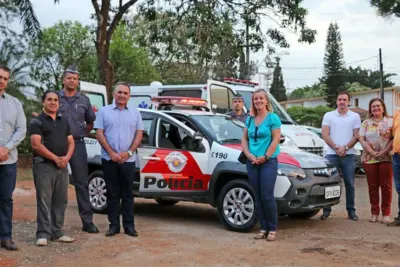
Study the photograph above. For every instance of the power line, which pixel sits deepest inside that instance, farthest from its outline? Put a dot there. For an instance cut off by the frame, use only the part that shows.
(311, 68)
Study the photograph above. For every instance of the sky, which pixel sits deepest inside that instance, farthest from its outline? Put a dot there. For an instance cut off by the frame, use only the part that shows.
(362, 32)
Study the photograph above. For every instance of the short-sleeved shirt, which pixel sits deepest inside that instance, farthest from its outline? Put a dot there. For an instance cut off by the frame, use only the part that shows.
(396, 132)
(54, 134)
(243, 117)
(78, 112)
(259, 146)
(378, 136)
(119, 127)
(341, 129)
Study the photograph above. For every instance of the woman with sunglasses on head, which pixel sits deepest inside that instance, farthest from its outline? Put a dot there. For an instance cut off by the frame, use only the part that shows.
(376, 138)
(261, 146)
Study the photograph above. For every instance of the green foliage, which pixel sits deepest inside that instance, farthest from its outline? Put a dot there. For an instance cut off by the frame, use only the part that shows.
(308, 116)
(63, 44)
(131, 63)
(367, 78)
(315, 90)
(387, 8)
(333, 65)
(278, 89)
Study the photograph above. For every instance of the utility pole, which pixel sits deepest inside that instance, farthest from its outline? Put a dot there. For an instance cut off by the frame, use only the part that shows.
(247, 48)
(381, 73)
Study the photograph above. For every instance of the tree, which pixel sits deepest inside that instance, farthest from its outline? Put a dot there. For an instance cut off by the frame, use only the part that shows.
(367, 78)
(308, 116)
(61, 45)
(278, 89)
(387, 8)
(333, 78)
(24, 9)
(131, 63)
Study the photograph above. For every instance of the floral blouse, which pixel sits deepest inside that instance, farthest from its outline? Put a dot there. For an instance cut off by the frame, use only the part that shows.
(377, 135)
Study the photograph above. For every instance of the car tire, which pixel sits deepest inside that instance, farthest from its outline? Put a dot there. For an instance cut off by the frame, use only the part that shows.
(97, 192)
(165, 202)
(303, 215)
(237, 215)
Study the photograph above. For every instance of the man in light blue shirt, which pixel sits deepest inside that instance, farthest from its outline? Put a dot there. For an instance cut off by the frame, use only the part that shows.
(12, 132)
(119, 130)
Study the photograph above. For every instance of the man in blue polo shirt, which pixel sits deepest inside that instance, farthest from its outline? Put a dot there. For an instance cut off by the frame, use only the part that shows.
(339, 131)
(119, 130)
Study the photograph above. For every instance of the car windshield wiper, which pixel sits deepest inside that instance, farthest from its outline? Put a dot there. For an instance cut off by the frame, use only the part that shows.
(231, 140)
(286, 122)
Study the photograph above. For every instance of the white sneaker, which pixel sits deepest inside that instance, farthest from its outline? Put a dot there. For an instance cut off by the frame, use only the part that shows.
(41, 242)
(65, 239)
(386, 219)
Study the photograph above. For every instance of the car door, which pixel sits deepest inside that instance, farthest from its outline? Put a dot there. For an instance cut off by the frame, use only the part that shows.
(169, 169)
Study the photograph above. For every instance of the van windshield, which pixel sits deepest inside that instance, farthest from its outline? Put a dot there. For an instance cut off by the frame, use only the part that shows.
(285, 118)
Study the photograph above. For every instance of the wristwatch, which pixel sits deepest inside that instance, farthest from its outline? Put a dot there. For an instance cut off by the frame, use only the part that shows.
(266, 158)
(346, 147)
(130, 153)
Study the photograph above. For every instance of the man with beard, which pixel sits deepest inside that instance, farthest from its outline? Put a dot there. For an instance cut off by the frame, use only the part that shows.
(76, 108)
(119, 130)
(238, 112)
(12, 132)
(340, 132)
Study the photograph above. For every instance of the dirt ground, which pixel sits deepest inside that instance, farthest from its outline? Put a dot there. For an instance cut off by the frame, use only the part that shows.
(191, 234)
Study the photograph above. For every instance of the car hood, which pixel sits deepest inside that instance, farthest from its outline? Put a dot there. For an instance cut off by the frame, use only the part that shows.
(301, 136)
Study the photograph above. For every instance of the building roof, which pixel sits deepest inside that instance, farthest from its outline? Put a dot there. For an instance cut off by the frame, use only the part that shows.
(352, 94)
(362, 112)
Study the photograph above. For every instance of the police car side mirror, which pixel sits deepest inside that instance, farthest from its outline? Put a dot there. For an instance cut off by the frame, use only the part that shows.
(283, 139)
(197, 137)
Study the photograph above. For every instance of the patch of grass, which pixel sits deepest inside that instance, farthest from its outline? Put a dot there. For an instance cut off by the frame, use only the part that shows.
(24, 174)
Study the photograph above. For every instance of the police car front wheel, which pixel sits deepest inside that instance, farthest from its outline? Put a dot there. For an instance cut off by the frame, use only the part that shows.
(97, 192)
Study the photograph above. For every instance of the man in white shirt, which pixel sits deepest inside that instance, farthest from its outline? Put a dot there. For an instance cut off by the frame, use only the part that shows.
(339, 131)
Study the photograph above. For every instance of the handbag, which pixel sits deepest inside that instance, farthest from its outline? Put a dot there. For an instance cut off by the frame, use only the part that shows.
(242, 157)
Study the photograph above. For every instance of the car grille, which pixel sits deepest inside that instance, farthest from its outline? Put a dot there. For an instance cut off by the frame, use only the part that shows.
(325, 172)
(315, 150)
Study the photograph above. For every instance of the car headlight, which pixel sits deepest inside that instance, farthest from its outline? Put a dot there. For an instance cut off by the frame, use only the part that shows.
(289, 143)
(291, 171)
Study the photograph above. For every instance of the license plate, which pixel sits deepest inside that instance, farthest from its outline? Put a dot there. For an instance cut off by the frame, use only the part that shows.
(332, 192)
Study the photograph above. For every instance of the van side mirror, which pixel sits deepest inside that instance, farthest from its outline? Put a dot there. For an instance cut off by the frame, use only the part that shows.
(283, 139)
(197, 137)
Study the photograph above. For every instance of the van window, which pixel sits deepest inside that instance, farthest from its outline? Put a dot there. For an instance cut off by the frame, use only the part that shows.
(221, 98)
(140, 101)
(96, 99)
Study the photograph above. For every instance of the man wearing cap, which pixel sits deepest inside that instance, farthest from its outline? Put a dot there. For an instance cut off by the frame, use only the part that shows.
(76, 108)
(237, 111)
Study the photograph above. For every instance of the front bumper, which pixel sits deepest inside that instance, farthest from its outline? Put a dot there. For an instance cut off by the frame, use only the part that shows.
(309, 194)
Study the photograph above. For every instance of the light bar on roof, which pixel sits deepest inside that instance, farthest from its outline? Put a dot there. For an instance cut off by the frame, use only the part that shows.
(179, 100)
(240, 82)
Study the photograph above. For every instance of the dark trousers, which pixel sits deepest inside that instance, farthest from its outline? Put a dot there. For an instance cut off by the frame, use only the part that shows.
(396, 175)
(8, 179)
(119, 181)
(51, 185)
(379, 176)
(262, 179)
(80, 172)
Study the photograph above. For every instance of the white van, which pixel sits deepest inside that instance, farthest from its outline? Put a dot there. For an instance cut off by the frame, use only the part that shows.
(219, 96)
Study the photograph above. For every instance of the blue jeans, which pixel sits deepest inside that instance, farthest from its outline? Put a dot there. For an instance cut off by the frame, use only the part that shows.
(262, 179)
(8, 179)
(396, 175)
(347, 167)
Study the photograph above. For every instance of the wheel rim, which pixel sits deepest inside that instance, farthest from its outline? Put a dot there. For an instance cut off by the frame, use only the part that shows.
(97, 193)
(238, 206)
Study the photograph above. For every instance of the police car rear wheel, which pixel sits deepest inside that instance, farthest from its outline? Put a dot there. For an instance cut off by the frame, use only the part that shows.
(97, 192)
(236, 206)
(165, 202)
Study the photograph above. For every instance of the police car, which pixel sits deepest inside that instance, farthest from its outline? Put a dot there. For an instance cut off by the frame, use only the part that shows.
(189, 154)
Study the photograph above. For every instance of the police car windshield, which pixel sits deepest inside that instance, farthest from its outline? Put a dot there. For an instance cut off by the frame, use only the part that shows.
(285, 118)
(223, 129)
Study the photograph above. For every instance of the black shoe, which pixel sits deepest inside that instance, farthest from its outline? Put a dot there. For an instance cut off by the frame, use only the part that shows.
(112, 231)
(130, 231)
(9, 245)
(353, 216)
(90, 228)
(395, 223)
(325, 215)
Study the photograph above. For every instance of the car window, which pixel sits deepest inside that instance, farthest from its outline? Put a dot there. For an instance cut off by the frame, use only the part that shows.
(171, 136)
(148, 123)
